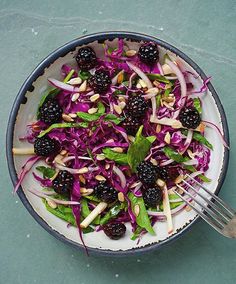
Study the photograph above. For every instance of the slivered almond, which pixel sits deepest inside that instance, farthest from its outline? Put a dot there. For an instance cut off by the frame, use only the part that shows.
(142, 83)
(135, 184)
(83, 170)
(167, 138)
(136, 210)
(120, 78)
(117, 149)
(168, 99)
(131, 138)
(101, 157)
(73, 115)
(130, 53)
(92, 110)
(171, 95)
(83, 86)
(82, 179)
(154, 162)
(158, 128)
(117, 108)
(51, 203)
(100, 178)
(86, 191)
(122, 105)
(63, 152)
(94, 97)
(160, 183)
(75, 97)
(67, 118)
(75, 81)
(121, 197)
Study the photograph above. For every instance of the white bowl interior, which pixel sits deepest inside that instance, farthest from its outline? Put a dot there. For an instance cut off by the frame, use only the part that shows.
(26, 115)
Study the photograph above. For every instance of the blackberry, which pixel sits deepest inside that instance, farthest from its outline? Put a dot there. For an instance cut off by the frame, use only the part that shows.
(46, 146)
(105, 192)
(147, 173)
(148, 53)
(163, 173)
(131, 125)
(114, 230)
(152, 196)
(136, 106)
(63, 183)
(86, 58)
(190, 117)
(100, 81)
(50, 112)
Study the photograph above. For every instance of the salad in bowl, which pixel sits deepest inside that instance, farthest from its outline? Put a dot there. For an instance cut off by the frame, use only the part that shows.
(113, 132)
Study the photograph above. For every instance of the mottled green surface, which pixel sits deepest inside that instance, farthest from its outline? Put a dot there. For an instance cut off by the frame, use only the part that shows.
(29, 30)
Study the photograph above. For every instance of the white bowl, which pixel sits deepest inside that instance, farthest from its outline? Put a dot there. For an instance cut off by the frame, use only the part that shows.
(24, 110)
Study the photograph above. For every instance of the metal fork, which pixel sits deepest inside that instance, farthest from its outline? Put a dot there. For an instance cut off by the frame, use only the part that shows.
(216, 212)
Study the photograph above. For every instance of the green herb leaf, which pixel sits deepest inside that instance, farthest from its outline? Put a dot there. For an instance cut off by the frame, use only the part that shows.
(119, 92)
(199, 137)
(60, 213)
(84, 208)
(101, 108)
(119, 158)
(113, 212)
(142, 219)
(158, 77)
(46, 171)
(151, 139)
(92, 198)
(113, 118)
(158, 100)
(138, 150)
(192, 169)
(84, 75)
(137, 233)
(197, 104)
(172, 154)
(62, 125)
(88, 117)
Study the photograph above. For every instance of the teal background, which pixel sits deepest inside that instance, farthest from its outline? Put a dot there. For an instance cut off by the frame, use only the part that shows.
(29, 31)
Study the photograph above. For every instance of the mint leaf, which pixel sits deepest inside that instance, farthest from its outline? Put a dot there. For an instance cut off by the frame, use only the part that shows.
(172, 154)
(192, 169)
(88, 117)
(113, 212)
(200, 138)
(62, 125)
(142, 219)
(151, 139)
(113, 118)
(101, 108)
(138, 150)
(119, 158)
(46, 171)
(137, 233)
(84, 75)
(158, 77)
(197, 104)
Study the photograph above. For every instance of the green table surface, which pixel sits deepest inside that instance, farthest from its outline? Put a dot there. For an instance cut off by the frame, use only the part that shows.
(29, 31)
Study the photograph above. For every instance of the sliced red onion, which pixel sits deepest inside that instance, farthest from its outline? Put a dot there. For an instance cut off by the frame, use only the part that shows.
(191, 162)
(149, 96)
(212, 125)
(160, 68)
(24, 170)
(58, 201)
(132, 76)
(179, 75)
(121, 176)
(63, 86)
(187, 141)
(203, 88)
(166, 162)
(153, 117)
(70, 170)
(141, 74)
(173, 211)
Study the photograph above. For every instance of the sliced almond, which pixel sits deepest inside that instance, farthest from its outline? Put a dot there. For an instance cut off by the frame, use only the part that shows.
(154, 162)
(171, 95)
(75, 97)
(117, 149)
(168, 99)
(121, 197)
(136, 210)
(152, 91)
(96, 211)
(83, 86)
(122, 105)
(63, 152)
(92, 110)
(117, 108)
(177, 124)
(107, 166)
(75, 81)
(130, 53)
(73, 115)
(83, 170)
(120, 77)
(138, 86)
(82, 179)
(142, 83)
(161, 183)
(51, 203)
(121, 99)
(131, 138)
(101, 157)
(158, 128)
(94, 97)
(168, 105)
(156, 83)
(86, 191)
(100, 178)
(67, 118)
(167, 138)
(201, 127)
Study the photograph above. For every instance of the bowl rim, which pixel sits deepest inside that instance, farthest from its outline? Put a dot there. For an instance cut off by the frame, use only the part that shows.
(20, 99)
